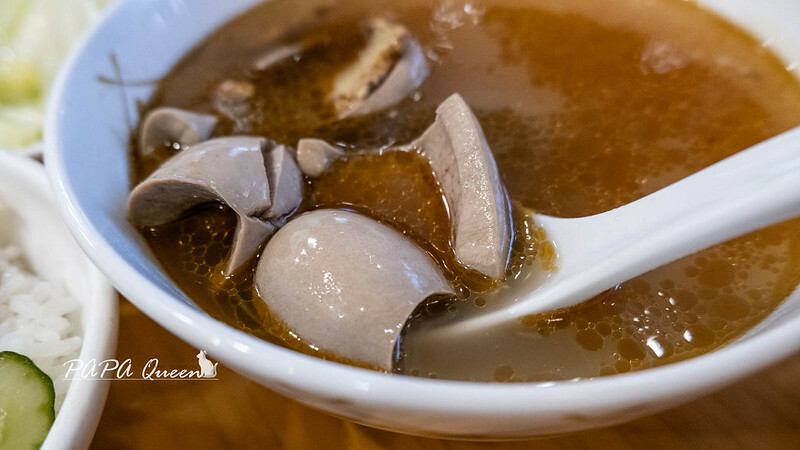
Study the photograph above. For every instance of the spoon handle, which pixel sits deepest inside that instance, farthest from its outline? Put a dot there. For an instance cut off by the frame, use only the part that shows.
(752, 189)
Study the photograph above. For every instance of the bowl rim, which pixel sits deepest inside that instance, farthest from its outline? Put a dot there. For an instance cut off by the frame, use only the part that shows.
(80, 412)
(289, 371)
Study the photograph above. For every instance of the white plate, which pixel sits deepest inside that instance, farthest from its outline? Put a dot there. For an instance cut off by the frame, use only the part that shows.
(54, 256)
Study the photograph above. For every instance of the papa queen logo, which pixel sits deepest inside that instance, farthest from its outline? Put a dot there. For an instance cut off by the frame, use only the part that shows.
(152, 370)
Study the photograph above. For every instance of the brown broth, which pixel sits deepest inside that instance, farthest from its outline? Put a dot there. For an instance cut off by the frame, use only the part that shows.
(586, 107)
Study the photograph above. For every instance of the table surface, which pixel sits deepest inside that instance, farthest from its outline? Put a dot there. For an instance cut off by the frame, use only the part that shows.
(762, 411)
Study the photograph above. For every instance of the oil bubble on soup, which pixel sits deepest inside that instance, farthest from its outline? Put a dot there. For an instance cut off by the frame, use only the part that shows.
(343, 181)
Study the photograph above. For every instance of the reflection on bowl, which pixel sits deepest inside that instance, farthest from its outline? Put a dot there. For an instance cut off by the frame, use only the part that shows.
(93, 186)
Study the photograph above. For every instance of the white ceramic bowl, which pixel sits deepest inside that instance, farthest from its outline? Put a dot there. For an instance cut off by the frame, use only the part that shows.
(87, 155)
(54, 256)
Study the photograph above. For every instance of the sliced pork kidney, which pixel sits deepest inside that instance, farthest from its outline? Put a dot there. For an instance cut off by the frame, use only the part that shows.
(258, 180)
(168, 125)
(388, 69)
(346, 283)
(465, 167)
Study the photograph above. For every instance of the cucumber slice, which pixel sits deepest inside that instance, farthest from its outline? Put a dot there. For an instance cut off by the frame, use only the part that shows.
(27, 399)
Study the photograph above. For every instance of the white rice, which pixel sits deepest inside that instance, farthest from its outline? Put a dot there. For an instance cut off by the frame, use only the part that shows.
(37, 318)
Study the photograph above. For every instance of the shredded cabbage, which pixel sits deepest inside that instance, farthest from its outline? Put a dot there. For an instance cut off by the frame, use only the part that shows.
(35, 36)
